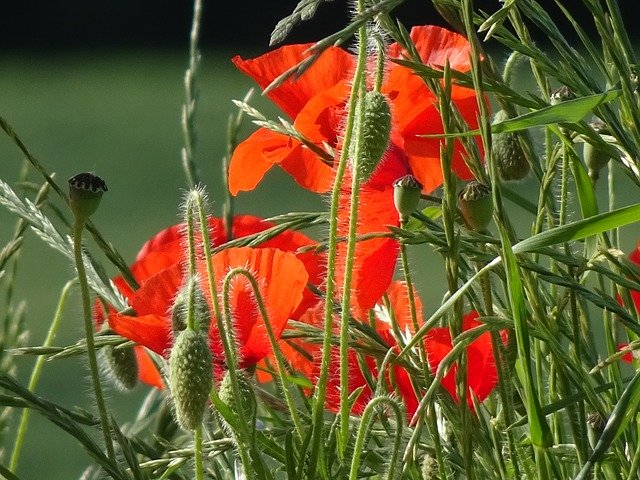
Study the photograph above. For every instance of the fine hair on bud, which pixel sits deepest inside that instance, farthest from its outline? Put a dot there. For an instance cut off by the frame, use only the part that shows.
(373, 134)
(120, 365)
(247, 395)
(190, 377)
(507, 152)
(191, 296)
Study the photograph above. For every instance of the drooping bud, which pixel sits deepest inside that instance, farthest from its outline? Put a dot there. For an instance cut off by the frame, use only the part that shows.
(180, 308)
(121, 365)
(595, 157)
(476, 205)
(190, 376)
(406, 195)
(507, 152)
(85, 193)
(247, 395)
(374, 133)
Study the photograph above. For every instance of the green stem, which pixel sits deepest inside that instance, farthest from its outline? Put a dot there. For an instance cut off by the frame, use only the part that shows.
(197, 452)
(35, 375)
(321, 385)
(78, 227)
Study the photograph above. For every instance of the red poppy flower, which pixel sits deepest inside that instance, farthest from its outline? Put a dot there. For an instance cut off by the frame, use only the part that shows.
(482, 375)
(316, 102)
(628, 356)
(158, 271)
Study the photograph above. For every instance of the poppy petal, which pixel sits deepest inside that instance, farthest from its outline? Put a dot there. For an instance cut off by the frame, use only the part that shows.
(147, 370)
(156, 295)
(151, 331)
(334, 65)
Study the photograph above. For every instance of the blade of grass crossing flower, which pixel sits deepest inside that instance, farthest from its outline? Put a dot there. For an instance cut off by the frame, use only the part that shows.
(586, 197)
(624, 411)
(539, 429)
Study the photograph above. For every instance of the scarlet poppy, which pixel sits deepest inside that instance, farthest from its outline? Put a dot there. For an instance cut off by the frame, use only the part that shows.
(159, 271)
(482, 375)
(316, 102)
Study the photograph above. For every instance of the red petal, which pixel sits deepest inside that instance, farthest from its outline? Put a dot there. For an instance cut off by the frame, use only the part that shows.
(436, 45)
(399, 302)
(156, 295)
(282, 278)
(308, 170)
(147, 370)
(253, 158)
(151, 331)
(333, 66)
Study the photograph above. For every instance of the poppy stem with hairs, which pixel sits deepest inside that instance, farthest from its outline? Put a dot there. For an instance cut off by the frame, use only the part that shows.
(85, 192)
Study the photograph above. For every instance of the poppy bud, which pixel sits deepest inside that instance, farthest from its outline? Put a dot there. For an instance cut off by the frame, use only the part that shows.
(121, 365)
(374, 133)
(247, 396)
(190, 376)
(406, 195)
(507, 153)
(180, 307)
(85, 192)
(476, 205)
(594, 157)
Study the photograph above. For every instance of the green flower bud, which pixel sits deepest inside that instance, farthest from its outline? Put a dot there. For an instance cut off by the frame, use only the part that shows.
(406, 195)
(595, 157)
(476, 205)
(190, 376)
(121, 366)
(85, 192)
(374, 133)
(507, 153)
(247, 396)
(180, 308)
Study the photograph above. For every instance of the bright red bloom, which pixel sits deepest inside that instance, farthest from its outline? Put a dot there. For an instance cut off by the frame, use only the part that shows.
(482, 375)
(316, 102)
(628, 356)
(159, 272)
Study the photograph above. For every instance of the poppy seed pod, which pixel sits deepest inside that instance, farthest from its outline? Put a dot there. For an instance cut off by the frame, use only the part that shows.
(121, 365)
(190, 377)
(406, 195)
(508, 154)
(476, 205)
(561, 94)
(374, 133)
(85, 193)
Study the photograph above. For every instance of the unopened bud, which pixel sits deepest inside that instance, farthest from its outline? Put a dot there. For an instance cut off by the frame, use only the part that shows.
(121, 365)
(180, 308)
(85, 193)
(374, 133)
(476, 205)
(190, 376)
(247, 396)
(508, 154)
(406, 195)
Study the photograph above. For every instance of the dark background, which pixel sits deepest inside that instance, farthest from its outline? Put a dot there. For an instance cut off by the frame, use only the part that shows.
(78, 24)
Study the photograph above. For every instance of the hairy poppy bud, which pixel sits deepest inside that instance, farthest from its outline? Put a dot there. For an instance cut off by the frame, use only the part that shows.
(121, 365)
(180, 308)
(374, 133)
(595, 157)
(406, 195)
(476, 205)
(190, 376)
(85, 192)
(507, 153)
(247, 396)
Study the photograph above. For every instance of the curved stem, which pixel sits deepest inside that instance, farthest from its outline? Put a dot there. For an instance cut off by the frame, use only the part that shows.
(78, 227)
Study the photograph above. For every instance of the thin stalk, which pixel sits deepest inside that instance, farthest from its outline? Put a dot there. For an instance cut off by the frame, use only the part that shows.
(321, 385)
(197, 452)
(35, 374)
(78, 228)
